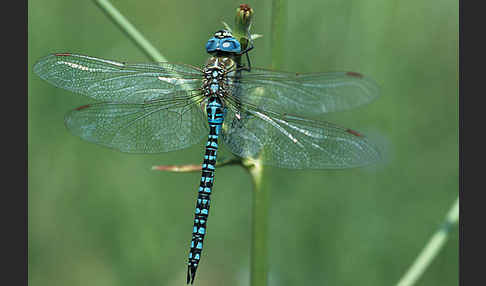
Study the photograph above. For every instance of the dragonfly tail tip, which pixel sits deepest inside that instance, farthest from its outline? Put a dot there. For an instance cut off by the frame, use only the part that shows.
(191, 273)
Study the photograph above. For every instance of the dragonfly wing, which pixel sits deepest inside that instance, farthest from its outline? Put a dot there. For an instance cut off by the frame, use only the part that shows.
(140, 128)
(112, 81)
(311, 94)
(295, 143)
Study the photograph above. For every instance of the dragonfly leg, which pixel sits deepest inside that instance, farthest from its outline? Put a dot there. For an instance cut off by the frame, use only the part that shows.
(247, 57)
(245, 51)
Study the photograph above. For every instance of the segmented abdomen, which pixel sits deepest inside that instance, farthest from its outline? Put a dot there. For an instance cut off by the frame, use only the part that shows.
(215, 119)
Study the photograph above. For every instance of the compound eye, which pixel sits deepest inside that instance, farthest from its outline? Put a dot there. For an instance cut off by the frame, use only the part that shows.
(230, 45)
(212, 45)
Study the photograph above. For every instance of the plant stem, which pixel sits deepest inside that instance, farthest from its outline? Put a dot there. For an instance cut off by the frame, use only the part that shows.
(431, 249)
(259, 217)
(193, 167)
(278, 31)
(130, 31)
(260, 208)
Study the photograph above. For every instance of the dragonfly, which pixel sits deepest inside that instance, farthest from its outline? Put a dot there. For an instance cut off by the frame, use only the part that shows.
(259, 114)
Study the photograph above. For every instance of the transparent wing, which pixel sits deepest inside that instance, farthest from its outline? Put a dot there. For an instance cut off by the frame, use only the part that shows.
(153, 127)
(293, 142)
(310, 94)
(112, 81)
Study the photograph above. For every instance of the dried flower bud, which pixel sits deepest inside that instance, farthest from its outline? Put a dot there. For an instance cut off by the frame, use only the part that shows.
(243, 20)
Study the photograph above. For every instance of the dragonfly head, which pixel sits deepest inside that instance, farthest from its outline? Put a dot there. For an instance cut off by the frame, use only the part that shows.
(223, 41)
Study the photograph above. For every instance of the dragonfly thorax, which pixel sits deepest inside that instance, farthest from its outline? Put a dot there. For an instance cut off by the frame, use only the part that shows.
(216, 81)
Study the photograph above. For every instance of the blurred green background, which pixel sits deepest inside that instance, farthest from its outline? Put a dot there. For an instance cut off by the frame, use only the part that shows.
(100, 217)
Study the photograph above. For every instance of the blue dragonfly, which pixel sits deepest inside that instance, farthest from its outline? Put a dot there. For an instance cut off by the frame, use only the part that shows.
(258, 113)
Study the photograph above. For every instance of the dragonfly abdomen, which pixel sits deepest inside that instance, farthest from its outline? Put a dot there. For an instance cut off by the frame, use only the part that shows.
(215, 119)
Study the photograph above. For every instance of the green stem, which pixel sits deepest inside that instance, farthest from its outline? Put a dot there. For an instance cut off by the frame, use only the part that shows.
(431, 249)
(259, 217)
(130, 31)
(260, 203)
(278, 32)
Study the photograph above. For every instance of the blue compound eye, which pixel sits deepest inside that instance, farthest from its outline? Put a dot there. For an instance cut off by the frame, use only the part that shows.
(230, 45)
(212, 45)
